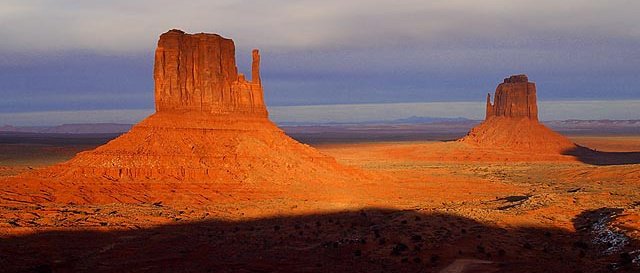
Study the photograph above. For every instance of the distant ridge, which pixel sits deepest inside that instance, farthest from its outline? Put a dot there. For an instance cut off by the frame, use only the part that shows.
(77, 128)
(409, 120)
(572, 125)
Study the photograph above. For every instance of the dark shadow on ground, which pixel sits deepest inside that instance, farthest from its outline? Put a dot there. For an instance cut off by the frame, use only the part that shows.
(593, 157)
(372, 240)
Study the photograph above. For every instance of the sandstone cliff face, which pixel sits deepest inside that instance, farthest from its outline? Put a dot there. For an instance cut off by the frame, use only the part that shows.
(515, 97)
(512, 122)
(197, 72)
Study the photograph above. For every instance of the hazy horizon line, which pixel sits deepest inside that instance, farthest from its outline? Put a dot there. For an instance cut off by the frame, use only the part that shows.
(345, 113)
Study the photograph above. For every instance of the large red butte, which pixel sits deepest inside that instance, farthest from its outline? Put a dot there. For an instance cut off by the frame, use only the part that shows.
(210, 125)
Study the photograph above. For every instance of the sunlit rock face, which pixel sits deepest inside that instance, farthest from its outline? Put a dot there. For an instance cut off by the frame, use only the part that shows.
(197, 72)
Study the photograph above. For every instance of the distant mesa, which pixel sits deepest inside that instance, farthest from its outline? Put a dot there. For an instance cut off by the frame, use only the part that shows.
(210, 125)
(512, 122)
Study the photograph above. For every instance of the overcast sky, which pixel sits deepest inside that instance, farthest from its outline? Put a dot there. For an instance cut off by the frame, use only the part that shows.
(98, 55)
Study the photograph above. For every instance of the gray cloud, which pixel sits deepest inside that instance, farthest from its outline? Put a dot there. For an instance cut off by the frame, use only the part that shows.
(132, 26)
(85, 55)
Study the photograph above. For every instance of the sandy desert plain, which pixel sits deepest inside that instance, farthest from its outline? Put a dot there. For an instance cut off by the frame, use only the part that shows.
(428, 204)
(423, 210)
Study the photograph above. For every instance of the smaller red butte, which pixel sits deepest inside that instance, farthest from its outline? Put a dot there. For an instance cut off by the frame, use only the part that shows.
(511, 122)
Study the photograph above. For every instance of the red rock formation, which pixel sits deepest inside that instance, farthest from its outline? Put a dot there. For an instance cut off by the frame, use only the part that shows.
(210, 125)
(489, 107)
(512, 122)
(255, 68)
(197, 72)
(515, 97)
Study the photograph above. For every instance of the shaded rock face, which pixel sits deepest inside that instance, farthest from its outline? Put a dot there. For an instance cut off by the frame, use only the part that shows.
(197, 72)
(512, 122)
(515, 97)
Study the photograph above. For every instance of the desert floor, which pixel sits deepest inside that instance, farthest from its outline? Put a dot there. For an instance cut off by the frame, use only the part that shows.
(430, 206)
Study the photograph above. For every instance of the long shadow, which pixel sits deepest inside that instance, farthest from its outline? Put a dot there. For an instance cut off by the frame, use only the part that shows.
(598, 158)
(371, 240)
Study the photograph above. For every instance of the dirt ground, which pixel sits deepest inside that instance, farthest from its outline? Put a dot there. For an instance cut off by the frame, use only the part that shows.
(430, 206)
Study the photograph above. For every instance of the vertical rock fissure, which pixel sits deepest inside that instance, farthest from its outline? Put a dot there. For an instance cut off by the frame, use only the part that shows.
(198, 72)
